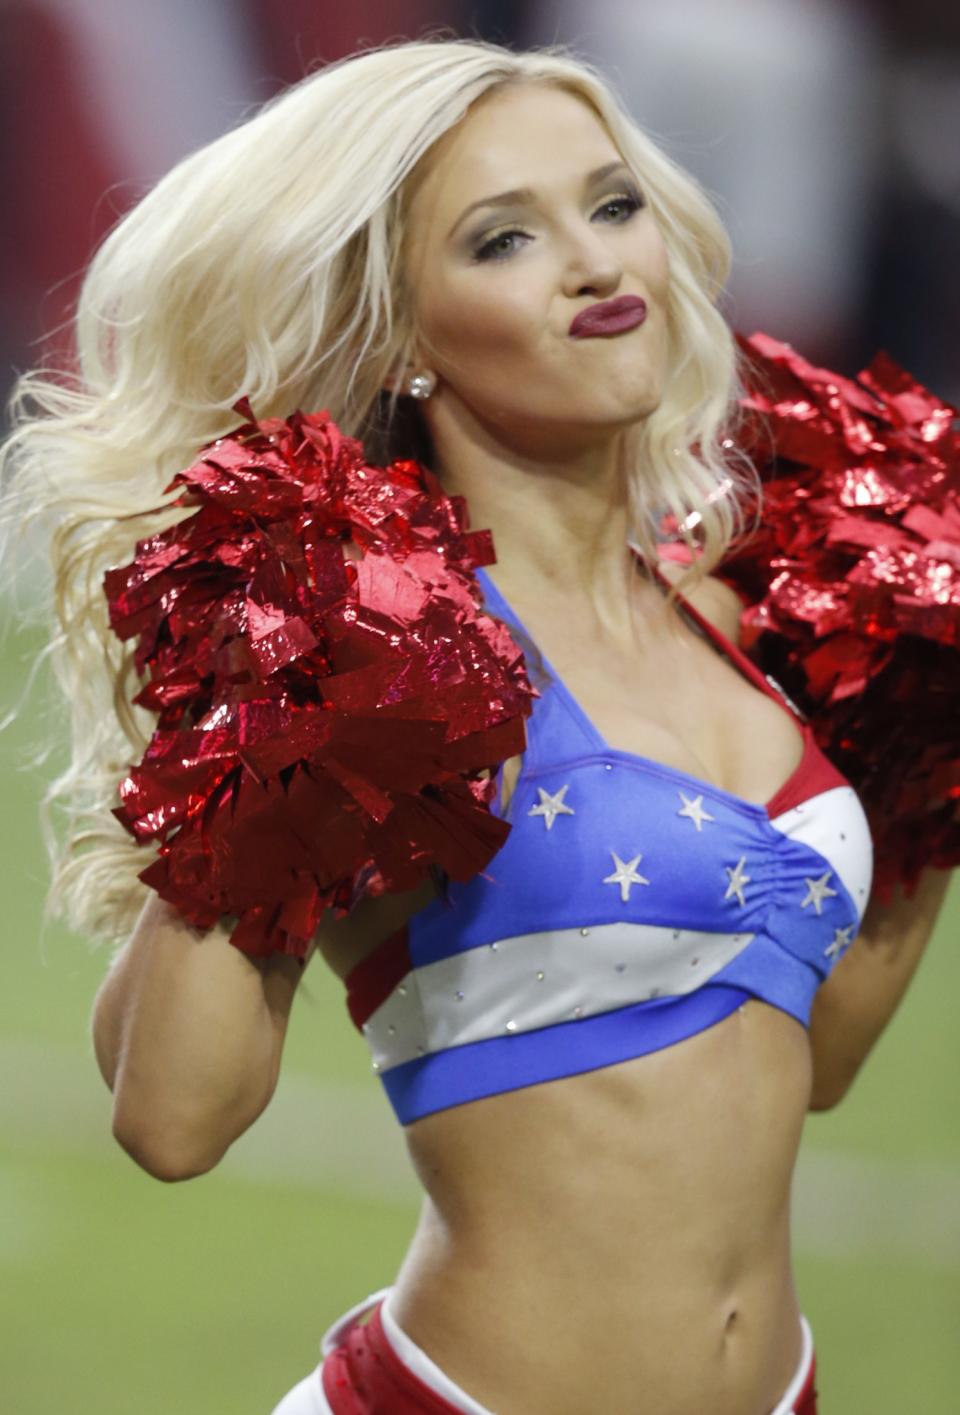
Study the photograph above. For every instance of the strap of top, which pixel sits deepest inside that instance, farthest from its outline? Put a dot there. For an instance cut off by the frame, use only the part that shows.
(764, 681)
(558, 727)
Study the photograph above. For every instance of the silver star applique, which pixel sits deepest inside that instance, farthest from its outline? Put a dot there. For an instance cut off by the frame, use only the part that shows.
(841, 940)
(738, 878)
(693, 810)
(625, 875)
(551, 806)
(817, 891)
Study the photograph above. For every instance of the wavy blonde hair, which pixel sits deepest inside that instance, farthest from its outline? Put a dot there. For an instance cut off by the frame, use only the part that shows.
(268, 264)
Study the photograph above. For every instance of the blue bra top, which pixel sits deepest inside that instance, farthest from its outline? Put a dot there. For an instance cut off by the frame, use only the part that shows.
(631, 906)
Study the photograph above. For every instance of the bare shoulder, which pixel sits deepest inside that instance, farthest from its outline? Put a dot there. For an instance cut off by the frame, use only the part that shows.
(714, 599)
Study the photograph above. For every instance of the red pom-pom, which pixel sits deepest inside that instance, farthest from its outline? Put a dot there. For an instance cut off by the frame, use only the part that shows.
(853, 586)
(330, 694)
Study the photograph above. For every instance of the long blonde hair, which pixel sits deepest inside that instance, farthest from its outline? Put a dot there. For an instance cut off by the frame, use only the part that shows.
(267, 264)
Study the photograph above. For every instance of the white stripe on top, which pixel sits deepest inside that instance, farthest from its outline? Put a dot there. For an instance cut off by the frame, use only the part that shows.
(834, 824)
(537, 980)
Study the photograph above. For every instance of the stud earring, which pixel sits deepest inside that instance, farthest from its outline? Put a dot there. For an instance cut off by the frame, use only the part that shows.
(421, 385)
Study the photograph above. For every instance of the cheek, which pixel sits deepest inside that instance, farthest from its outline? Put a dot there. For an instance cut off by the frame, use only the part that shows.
(480, 324)
(665, 275)
(655, 265)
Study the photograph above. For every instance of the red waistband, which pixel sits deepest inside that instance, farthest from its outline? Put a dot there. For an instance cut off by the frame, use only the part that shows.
(365, 1376)
(806, 1401)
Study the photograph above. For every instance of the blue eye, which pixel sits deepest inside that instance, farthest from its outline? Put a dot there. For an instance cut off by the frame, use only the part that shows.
(503, 244)
(494, 248)
(625, 204)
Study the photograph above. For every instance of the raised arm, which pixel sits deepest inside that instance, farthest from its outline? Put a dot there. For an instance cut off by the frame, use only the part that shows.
(861, 995)
(189, 1031)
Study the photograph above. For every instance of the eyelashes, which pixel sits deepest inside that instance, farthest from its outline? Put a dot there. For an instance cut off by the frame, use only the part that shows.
(495, 247)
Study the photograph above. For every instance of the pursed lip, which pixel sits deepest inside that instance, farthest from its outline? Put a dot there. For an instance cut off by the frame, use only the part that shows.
(609, 317)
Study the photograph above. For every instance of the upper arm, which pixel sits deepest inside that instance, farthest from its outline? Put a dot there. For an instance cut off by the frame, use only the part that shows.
(188, 1032)
(280, 975)
(346, 942)
(857, 1001)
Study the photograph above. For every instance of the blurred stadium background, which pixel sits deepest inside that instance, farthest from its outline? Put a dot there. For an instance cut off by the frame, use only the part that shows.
(827, 133)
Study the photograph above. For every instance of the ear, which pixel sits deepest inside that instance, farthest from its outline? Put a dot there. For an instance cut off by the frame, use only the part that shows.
(413, 381)
(403, 369)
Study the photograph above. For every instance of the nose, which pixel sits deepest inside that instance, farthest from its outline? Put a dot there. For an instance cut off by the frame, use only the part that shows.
(592, 268)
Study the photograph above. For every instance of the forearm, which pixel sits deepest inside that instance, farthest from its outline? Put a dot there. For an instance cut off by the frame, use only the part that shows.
(860, 997)
(188, 1033)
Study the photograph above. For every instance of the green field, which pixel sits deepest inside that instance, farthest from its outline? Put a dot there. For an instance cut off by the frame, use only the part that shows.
(123, 1296)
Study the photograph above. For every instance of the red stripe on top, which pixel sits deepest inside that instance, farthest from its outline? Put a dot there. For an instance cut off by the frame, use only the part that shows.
(727, 646)
(815, 774)
(374, 978)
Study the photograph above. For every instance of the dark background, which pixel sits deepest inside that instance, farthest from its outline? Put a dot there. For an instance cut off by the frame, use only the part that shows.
(827, 133)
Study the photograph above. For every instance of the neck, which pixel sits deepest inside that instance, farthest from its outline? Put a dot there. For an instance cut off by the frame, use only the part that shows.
(559, 513)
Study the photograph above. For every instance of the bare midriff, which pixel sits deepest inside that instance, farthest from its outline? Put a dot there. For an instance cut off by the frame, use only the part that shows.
(618, 1241)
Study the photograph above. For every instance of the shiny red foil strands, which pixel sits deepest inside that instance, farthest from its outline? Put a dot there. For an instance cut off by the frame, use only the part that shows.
(330, 695)
(853, 586)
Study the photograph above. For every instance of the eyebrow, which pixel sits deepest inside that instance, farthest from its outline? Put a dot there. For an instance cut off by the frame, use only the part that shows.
(520, 195)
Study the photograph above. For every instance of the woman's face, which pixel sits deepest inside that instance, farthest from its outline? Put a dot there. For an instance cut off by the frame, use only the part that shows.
(522, 217)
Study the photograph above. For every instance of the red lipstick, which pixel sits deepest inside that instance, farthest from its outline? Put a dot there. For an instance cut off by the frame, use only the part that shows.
(609, 317)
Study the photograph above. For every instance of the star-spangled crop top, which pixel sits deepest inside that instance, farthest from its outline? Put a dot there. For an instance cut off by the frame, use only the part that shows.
(631, 906)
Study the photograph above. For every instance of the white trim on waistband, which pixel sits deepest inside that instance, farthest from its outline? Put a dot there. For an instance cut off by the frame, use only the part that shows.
(785, 1406)
(331, 1337)
(417, 1361)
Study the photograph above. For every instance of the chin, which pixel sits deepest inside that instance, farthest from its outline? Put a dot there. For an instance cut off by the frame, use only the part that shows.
(576, 419)
(628, 409)
(631, 392)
